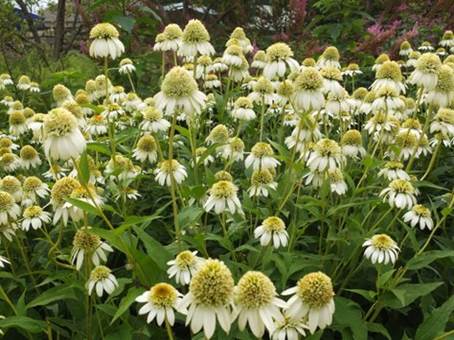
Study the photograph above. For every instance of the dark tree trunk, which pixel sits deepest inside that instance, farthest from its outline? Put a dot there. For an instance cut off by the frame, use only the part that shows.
(59, 28)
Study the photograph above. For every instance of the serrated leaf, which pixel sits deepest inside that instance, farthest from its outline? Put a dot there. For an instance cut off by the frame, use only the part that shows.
(435, 323)
(348, 314)
(378, 328)
(367, 294)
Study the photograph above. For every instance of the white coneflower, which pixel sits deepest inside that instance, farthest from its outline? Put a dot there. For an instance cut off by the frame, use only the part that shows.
(17, 123)
(407, 141)
(308, 94)
(425, 74)
(36, 124)
(87, 244)
(279, 60)
(261, 157)
(443, 122)
(308, 131)
(169, 169)
(352, 70)
(400, 193)
(426, 46)
(23, 83)
(263, 92)
(122, 168)
(35, 217)
(336, 181)
(202, 66)
(212, 81)
(352, 144)
(61, 95)
(179, 91)
(331, 78)
(289, 329)
(389, 74)
(184, 266)
(378, 122)
(29, 157)
(218, 135)
(118, 95)
(232, 56)
(97, 125)
(261, 182)
(202, 155)
(62, 137)
(233, 150)
(387, 99)
(55, 172)
(257, 304)
(126, 66)
(9, 162)
(273, 230)
(379, 61)
(102, 279)
(243, 109)
(12, 186)
(239, 73)
(327, 154)
(381, 248)
(405, 49)
(160, 302)
(172, 38)
(146, 149)
(336, 106)
(112, 112)
(443, 93)
(105, 42)
(394, 170)
(33, 188)
(9, 210)
(241, 39)
(330, 57)
(218, 66)
(3, 261)
(259, 61)
(222, 197)
(312, 299)
(447, 40)
(62, 189)
(5, 80)
(209, 298)
(153, 121)
(419, 215)
(195, 40)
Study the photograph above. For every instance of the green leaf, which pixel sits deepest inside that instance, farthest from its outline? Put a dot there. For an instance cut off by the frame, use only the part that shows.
(378, 328)
(435, 323)
(124, 22)
(99, 147)
(367, 294)
(155, 250)
(189, 215)
(87, 207)
(348, 319)
(23, 322)
(126, 302)
(84, 170)
(54, 294)
(408, 292)
(426, 258)
(385, 278)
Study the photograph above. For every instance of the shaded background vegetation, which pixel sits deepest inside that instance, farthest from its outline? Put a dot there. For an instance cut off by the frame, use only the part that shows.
(47, 39)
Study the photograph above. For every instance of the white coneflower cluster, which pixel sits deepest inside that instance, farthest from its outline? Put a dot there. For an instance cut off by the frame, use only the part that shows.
(247, 139)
